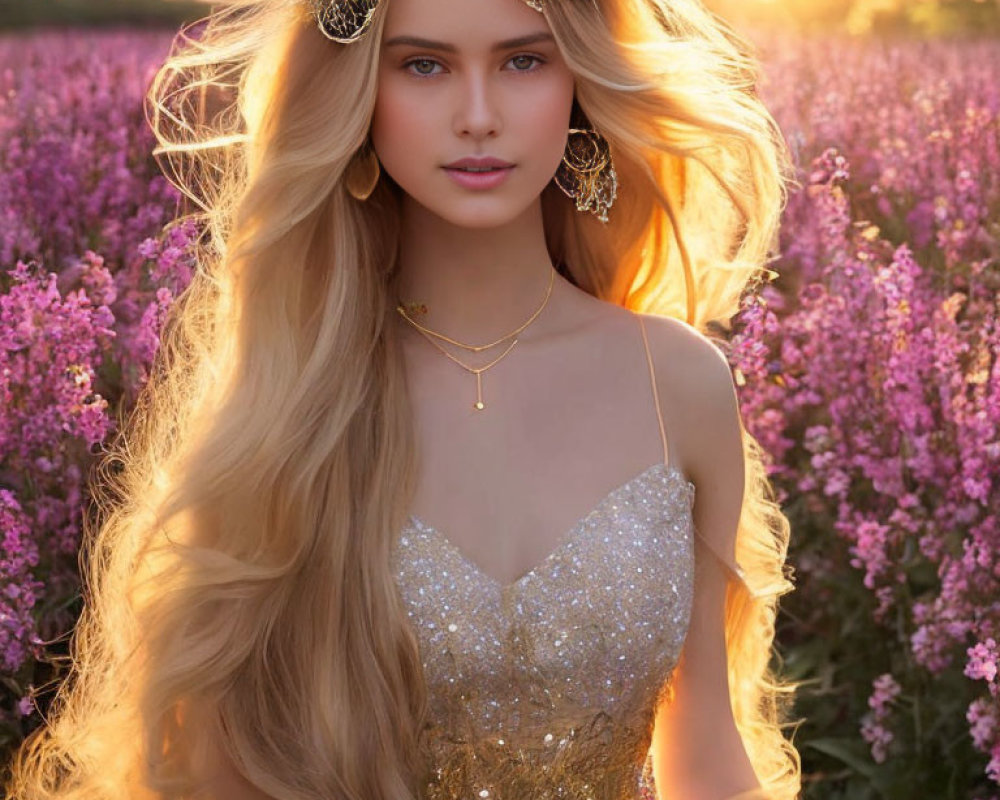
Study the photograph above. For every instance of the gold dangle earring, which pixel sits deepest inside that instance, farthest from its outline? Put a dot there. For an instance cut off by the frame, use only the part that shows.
(586, 173)
(362, 172)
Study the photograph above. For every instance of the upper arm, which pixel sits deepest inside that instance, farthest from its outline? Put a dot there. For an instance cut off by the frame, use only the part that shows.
(697, 749)
(716, 461)
(706, 435)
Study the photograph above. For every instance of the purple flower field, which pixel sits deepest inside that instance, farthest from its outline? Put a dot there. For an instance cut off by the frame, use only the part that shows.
(868, 370)
(87, 270)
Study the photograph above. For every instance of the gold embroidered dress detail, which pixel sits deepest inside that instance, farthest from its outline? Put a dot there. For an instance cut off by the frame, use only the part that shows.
(547, 687)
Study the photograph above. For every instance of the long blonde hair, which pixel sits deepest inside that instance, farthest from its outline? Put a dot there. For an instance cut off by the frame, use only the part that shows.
(237, 584)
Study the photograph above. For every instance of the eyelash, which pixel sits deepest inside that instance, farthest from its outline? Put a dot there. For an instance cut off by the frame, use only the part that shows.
(406, 65)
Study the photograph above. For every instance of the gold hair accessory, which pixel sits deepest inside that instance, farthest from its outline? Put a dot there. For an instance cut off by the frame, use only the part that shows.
(427, 333)
(346, 21)
(586, 173)
(343, 21)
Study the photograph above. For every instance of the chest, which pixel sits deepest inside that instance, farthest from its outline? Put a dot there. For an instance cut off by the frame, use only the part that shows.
(506, 486)
(597, 624)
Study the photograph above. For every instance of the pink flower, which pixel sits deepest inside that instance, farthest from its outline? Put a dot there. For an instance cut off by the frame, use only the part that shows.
(982, 663)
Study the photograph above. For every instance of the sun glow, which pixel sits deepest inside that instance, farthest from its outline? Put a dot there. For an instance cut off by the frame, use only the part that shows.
(860, 17)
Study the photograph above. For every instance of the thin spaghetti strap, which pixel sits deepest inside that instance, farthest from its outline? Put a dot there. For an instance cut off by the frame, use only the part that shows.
(728, 559)
(652, 380)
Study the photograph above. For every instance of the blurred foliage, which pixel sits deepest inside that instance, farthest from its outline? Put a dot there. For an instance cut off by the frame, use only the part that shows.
(31, 13)
(915, 17)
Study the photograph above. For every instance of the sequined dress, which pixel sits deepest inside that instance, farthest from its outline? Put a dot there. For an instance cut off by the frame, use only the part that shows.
(547, 687)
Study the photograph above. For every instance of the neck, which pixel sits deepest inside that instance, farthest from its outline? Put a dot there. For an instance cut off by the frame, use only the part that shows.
(478, 284)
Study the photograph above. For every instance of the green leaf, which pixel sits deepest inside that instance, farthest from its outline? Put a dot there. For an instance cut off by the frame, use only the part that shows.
(854, 755)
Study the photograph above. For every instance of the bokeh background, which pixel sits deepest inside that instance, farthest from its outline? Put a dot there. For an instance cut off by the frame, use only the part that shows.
(867, 367)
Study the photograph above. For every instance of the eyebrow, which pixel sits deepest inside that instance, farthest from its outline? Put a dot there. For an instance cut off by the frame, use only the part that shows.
(507, 44)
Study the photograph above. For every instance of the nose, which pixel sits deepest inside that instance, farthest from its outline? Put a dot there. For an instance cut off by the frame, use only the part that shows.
(478, 112)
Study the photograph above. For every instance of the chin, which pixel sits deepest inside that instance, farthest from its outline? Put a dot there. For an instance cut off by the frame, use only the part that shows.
(487, 220)
(462, 213)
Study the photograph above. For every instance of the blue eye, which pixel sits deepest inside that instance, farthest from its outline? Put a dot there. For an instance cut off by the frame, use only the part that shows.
(431, 61)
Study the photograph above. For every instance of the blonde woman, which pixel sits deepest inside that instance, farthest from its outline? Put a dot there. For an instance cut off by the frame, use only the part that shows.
(441, 490)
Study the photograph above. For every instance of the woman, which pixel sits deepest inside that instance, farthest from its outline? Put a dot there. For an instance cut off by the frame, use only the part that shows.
(441, 491)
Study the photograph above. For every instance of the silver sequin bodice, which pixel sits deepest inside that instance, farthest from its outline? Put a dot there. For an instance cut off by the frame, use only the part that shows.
(547, 687)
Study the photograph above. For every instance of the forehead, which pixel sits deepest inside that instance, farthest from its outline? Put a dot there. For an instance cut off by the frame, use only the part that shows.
(464, 23)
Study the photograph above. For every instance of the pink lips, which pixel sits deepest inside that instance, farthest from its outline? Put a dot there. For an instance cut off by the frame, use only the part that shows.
(498, 170)
(479, 161)
(479, 180)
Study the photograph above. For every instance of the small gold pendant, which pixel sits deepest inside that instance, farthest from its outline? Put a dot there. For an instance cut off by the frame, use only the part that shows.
(479, 405)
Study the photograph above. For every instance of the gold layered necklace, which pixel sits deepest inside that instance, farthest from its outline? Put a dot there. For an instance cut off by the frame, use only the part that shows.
(427, 333)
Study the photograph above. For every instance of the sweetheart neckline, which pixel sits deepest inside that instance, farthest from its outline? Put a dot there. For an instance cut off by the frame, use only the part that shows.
(561, 543)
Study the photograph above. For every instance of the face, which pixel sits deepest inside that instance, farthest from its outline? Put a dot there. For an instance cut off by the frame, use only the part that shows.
(469, 90)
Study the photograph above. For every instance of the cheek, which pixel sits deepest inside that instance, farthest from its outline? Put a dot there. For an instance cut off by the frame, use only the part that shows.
(403, 126)
(546, 118)
(392, 116)
(553, 116)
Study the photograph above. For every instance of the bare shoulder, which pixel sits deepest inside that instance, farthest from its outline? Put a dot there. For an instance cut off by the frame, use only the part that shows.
(673, 338)
(697, 397)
